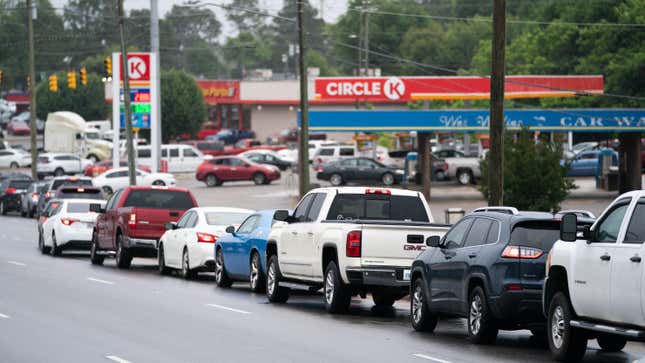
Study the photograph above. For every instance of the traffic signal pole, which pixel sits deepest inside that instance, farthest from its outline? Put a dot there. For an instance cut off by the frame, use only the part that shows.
(496, 152)
(132, 177)
(303, 145)
(32, 91)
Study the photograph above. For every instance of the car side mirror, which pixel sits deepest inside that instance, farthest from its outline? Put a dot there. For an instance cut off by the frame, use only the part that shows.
(569, 227)
(97, 208)
(433, 241)
(170, 226)
(230, 229)
(281, 215)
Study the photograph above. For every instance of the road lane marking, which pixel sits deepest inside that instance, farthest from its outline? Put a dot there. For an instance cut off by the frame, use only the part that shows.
(427, 357)
(114, 358)
(3, 316)
(16, 263)
(100, 281)
(229, 309)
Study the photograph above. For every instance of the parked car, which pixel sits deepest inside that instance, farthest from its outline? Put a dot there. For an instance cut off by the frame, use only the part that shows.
(222, 169)
(11, 191)
(187, 245)
(489, 268)
(595, 282)
(50, 208)
(116, 179)
(243, 256)
(134, 220)
(290, 155)
(438, 166)
(359, 170)
(105, 165)
(49, 190)
(267, 157)
(464, 168)
(586, 163)
(357, 241)
(214, 147)
(231, 136)
(327, 154)
(14, 158)
(18, 128)
(69, 226)
(180, 158)
(29, 203)
(60, 164)
(208, 128)
(12, 174)
(314, 145)
(23, 117)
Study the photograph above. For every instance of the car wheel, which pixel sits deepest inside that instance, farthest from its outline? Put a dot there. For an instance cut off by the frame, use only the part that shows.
(54, 250)
(566, 343)
(259, 178)
(3, 209)
(275, 292)
(161, 261)
(186, 272)
(420, 316)
(611, 343)
(336, 180)
(212, 180)
(41, 244)
(337, 296)
(59, 172)
(95, 258)
(123, 258)
(481, 325)
(383, 299)
(31, 212)
(387, 179)
(465, 177)
(159, 183)
(14, 165)
(221, 278)
(107, 190)
(23, 213)
(256, 277)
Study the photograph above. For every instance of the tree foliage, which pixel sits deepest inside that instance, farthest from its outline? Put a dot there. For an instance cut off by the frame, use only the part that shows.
(182, 104)
(87, 101)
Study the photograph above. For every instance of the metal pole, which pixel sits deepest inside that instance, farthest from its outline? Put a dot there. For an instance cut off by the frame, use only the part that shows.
(32, 91)
(126, 99)
(155, 126)
(496, 154)
(303, 152)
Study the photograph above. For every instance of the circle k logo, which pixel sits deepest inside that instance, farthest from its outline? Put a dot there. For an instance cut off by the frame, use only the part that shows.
(394, 88)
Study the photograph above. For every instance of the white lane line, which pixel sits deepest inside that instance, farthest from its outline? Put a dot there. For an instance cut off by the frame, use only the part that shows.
(229, 309)
(3, 316)
(100, 281)
(16, 263)
(427, 357)
(114, 358)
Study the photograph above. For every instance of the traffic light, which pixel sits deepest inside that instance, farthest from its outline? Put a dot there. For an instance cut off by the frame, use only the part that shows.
(83, 73)
(1, 76)
(53, 83)
(71, 80)
(108, 66)
(28, 82)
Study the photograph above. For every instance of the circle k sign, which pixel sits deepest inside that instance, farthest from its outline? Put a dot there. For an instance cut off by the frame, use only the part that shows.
(138, 67)
(394, 88)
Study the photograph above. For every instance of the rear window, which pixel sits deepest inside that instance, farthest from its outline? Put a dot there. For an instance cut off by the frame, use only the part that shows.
(159, 199)
(377, 206)
(536, 234)
(43, 159)
(225, 218)
(76, 182)
(79, 193)
(326, 152)
(78, 207)
(19, 184)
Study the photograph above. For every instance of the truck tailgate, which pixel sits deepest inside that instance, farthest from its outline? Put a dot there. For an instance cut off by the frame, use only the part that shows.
(150, 222)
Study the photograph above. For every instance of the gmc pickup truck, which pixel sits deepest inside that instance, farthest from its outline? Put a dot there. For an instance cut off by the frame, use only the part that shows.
(133, 221)
(595, 285)
(351, 241)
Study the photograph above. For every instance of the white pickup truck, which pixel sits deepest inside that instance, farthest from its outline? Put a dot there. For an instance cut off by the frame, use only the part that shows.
(595, 285)
(351, 241)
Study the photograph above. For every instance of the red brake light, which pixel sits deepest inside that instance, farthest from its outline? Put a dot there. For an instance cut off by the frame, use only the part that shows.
(67, 221)
(521, 252)
(319, 168)
(73, 178)
(445, 166)
(132, 222)
(353, 246)
(514, 287)
(48, 195)
(35, 196)
(206, 237)
(80, 190)
(378, 191)
(10, 190)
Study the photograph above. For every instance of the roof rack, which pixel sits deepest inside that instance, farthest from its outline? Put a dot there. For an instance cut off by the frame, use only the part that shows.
(500, 209)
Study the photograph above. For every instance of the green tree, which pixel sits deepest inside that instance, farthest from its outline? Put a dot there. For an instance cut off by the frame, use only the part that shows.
(524, 187)
(182, 104)
(246, 15)
(87, 101)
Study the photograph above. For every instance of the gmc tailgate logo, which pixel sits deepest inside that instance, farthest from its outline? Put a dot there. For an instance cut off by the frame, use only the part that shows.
(414, 248)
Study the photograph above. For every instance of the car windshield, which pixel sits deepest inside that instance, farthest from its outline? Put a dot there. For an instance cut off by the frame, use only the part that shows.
(377, 206)
(159, 199)
(225, 218)
(73, 182)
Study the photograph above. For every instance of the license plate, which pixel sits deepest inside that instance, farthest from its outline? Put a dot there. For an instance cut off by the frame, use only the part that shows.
(406, 275)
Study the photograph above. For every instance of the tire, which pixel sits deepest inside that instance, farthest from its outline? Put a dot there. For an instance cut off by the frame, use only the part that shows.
(259, 178)
(567, 344)
(107, 190)
(3, 209)
(23, 213)
(336, 179)
(159, 183)
(14, 165)
(221, 277)
(336, 294)
(481, 325)
(275, 292)
(161, 261)
(256, 276)
(59, 172)
(611, 343)
(387, 179)
(95, 259)
(31, 213)
(383, 299)
(465, 177)
(186, 272)
(420, 316)
(123, 258)
(55, 251)
(41, 244)
(212, 180)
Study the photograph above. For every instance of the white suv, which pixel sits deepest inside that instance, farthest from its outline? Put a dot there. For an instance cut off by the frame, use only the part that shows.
(61, 164)
(326, 154)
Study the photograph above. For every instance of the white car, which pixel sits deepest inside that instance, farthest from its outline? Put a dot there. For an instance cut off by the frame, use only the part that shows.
(289, 155)
(69, 226)
(61, 164)
(14, 158)
(115, 179)
(188, 244)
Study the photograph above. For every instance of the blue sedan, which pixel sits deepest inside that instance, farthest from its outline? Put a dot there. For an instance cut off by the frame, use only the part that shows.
(240, 255)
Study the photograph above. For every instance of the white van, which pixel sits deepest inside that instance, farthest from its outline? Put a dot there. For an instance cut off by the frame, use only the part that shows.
(180, 158)
(325, 154)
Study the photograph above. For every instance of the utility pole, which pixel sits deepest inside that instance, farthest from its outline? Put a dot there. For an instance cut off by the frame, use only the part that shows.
(132, 177)
(303, 146)
(496, 153)
(155, 127)
(32, 90)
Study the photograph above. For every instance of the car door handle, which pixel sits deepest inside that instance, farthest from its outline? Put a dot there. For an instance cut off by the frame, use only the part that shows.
(605, 257)
(472, 255)
(636, 259)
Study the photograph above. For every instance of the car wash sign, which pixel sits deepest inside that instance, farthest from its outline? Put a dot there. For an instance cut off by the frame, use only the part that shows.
(405, 89)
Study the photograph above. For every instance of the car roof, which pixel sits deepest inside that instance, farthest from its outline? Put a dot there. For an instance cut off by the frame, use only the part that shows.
(153, 187)
(223, 209)
(364, 190)
(516, 218)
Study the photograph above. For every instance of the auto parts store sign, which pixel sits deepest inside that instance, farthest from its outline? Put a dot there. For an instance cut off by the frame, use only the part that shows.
(404, 89)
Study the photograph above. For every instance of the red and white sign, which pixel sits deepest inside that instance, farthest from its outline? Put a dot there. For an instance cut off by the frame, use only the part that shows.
(404, 89)
(138, 66)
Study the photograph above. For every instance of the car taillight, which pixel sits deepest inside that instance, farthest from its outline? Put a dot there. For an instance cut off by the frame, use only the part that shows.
(206, 237)
(43, 161)
(514, 287)
(353, 247)
(48, 195)
(320, 168)
(10, 191)
(67, 221)
(445, 166)
(378, 191)
(80, 190)
(35, 197)
(521, 252)
(132, 222)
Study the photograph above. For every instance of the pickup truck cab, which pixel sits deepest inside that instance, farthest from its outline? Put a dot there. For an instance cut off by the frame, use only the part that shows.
(595, 286)
(352, 241)
(133, 221)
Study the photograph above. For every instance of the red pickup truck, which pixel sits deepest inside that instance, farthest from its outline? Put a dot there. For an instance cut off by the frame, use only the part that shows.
(133, 220)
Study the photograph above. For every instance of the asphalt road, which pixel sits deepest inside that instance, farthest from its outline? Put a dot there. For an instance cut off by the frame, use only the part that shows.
(66, 310)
